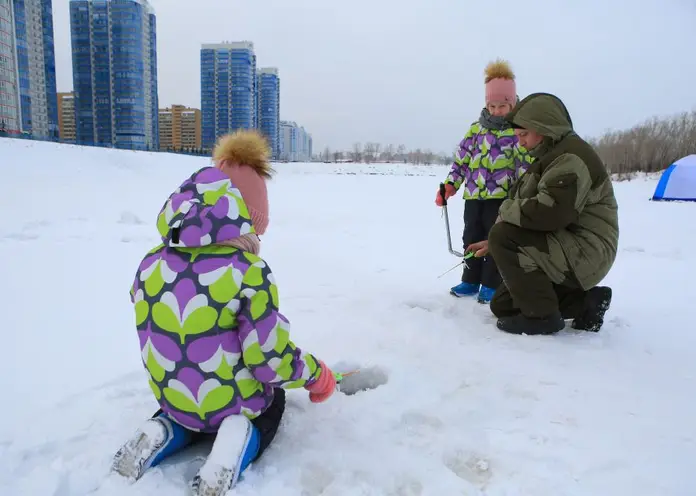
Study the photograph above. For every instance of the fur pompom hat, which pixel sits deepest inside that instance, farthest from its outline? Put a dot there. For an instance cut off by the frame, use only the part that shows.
(244, 157)
(500, 83)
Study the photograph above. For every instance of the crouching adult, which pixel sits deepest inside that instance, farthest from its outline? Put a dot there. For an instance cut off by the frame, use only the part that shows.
(556, 235)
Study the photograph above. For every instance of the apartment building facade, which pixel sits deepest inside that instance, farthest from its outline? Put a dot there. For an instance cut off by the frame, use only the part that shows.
(295, 143)
(10, 122)
(180, 128)
(268, 107)
(114, 44)
(66, 117)
(228, 89)
(28, 99)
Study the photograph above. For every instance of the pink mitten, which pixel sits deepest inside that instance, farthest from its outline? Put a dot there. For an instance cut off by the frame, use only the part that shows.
(449, 192)
(324, 387)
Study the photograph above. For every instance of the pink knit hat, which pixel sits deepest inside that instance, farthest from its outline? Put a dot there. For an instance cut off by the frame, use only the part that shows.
(501, 90)
(243, 156)
(500, 83)
(254, 193)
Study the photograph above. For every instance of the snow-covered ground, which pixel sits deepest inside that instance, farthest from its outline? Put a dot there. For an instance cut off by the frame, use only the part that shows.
(466, 410)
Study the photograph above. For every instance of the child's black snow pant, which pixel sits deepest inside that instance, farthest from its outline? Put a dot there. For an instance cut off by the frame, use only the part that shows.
(479, 217)
(267, 423)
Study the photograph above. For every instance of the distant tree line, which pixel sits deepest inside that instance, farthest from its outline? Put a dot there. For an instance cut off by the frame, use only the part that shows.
(186, 150)
(372, 152)
(648, 147)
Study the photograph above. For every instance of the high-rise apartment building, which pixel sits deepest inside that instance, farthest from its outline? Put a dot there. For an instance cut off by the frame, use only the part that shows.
(268, 107)
(114, 44)
(28, 100)
(180, 128)
(306, 148)
(66, 117)
(10, 121)
(228, 89)
(295, 142)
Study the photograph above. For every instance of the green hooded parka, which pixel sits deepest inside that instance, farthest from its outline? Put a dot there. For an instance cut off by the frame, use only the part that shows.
(566, 192)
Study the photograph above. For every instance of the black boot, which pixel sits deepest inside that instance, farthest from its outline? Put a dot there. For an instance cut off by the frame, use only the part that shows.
(596, 304)
(519, 324)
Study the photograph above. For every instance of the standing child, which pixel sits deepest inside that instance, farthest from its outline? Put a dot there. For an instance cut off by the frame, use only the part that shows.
(488, 161)
(216, 348)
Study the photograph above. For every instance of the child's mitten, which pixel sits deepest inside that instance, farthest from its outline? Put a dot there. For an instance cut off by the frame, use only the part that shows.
(324, 387)
(449, 192)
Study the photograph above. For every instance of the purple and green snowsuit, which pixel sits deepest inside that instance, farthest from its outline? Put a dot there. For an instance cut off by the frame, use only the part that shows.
(211, 336)
(488, 162)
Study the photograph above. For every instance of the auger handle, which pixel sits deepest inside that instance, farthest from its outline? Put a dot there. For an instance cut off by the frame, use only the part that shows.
(443, 193)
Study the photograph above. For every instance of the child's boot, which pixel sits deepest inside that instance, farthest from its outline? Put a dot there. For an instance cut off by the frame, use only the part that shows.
(485, 294)
(155, 440)
(236, 446)
(464, 289)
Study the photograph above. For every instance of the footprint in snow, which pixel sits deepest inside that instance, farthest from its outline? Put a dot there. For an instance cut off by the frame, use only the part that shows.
(138, 239)
(418, 419)
(130, 218)
(408, 487)
(618, 322)
(515, 392)
(471, 467)
(35, 225)
(22, 236)
(314, 480)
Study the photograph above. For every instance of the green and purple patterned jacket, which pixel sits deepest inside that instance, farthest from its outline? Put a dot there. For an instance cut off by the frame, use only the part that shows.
(489, 161)
(211, 336)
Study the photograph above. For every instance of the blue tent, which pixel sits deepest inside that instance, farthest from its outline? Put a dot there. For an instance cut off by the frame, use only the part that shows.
(678, 181)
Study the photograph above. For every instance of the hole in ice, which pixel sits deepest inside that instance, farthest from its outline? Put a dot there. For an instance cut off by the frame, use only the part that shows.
(365, 379)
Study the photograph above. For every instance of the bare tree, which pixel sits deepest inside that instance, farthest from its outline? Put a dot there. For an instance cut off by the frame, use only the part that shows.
(369, 152)
(445, 159)
(648, 147)
(378, 148)
(428, 157)
(326, 155)
(388, 153)
(415, 157)
(401, 154)
(356, 154)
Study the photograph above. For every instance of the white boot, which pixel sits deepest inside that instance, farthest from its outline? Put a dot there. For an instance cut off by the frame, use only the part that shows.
(236, 444)
(136, 455)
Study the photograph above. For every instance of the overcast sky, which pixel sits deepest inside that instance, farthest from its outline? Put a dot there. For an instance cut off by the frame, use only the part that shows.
(411, 71)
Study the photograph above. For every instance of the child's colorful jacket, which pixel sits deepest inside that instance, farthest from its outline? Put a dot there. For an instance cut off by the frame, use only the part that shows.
(211, 336)
(489, 160)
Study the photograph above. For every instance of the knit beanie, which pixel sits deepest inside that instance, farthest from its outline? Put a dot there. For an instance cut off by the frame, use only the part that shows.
(500, 83)
(254, 193)
(243, 157)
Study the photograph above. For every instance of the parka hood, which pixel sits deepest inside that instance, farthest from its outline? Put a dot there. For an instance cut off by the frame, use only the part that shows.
(206, 209)
(544, 113)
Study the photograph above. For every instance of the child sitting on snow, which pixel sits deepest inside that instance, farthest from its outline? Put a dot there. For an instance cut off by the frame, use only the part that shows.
(214, 344)
(489, 160)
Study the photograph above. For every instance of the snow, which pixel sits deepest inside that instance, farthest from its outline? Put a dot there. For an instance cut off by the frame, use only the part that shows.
(357, 251)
